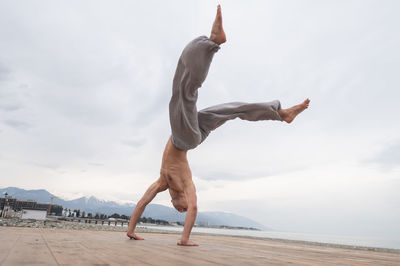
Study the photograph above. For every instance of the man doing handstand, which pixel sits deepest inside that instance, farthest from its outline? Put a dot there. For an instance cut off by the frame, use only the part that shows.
(191, 127)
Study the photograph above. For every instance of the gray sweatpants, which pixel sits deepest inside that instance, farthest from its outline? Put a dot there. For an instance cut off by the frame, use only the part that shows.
(189, 127)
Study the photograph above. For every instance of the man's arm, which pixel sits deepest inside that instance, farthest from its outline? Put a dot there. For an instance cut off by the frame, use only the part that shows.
(151, 192)
(190, 193)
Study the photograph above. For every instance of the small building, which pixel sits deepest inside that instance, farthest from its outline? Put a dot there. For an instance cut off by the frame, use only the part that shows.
(17, 205)
(33, 214)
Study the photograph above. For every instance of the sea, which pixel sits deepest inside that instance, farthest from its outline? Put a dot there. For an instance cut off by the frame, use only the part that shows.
(357, 241)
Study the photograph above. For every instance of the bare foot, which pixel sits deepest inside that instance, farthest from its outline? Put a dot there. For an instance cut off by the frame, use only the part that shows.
(134, 236)
(188, 243)
(217, 31)
(288, 115)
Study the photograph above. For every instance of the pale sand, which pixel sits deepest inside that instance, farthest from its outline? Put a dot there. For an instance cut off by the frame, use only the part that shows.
(45, 246)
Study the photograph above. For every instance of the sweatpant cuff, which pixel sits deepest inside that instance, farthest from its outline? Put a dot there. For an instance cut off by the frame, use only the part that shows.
(213, 46)
(278, 107)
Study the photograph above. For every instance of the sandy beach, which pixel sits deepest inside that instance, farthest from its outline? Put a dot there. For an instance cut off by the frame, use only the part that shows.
(47, 246)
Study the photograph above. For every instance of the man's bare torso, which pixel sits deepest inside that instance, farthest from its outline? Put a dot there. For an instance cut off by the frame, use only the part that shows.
(175, 172)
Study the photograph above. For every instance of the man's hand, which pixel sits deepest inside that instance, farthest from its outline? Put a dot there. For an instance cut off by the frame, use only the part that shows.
(188, 243)
(134, 236)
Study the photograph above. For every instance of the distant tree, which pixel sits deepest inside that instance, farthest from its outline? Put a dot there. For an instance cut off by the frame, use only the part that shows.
(102, 216)
(97, 216)
(115, 215)
(124, 217)
(163, 222)
(89, 215)
(150, 220)
(83, 214)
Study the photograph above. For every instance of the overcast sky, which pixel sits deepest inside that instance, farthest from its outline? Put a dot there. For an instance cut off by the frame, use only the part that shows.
(85, 87)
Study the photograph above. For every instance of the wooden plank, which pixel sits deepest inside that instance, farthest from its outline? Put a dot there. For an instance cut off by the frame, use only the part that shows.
(29, 249)
(66, 245)
(7, 243)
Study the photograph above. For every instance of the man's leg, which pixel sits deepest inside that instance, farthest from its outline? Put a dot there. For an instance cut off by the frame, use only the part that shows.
(212, 117)
(192, 70)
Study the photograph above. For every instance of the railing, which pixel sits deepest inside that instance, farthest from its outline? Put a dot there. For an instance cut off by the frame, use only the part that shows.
(97, 221)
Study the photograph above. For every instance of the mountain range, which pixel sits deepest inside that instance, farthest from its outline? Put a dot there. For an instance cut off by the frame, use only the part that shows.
(156, 211)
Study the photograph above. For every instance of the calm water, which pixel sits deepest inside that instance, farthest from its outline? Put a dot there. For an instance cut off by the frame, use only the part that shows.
(332, 239)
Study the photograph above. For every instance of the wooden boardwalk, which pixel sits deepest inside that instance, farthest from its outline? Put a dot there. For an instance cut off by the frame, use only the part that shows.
(34, 246)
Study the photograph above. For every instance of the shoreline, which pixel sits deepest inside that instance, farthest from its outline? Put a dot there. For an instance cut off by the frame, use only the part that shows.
(51, 224)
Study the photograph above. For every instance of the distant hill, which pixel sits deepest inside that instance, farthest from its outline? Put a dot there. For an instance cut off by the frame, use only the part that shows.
(156, 211)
